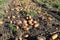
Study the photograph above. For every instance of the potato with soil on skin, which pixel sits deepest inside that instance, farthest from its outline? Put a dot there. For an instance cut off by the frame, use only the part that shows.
(54, 36)
(41, 38)
(8, 17)
(24, 21)
(17, 9)
(26, 35)
(19, 22)
(36, 25)
(11, 22)
(12, 9)
(13, 17)
(28, 17)
(49, 19)
(1, 22)
(26, 29)
(17, 27)
(30, 22)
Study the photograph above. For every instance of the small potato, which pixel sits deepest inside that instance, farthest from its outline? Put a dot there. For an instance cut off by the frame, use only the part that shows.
(30, 22)
(36, 25)
(50, 19)
(17, 9)
(27, 18)
(34, 21)
(26, 24)
(8, 17)
(20, 38)
(1, 22)
(54, 36)
(12, 9)
(26, 35)
(6, 11)
(24, 21)
(19, 22)
(17, 27)
(41, 38)
(30, 17)
(11, 22)
(13, 17)
(26, 29)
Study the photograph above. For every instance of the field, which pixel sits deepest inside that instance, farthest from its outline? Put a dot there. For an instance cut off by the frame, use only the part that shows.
(29, 19)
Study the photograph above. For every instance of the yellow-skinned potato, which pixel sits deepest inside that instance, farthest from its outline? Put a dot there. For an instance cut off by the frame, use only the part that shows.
(50, 19)
(30, 22)
(35, 21)
(17, 9)
(19, 22)
(26, 29)
(17, 27)
(54, 36)
(1, 22)
(8, 17)
(36, 25)
(30, 17)
(26, 35)
(11, 22)
(12, 9)
(24, 21)
(13, 17)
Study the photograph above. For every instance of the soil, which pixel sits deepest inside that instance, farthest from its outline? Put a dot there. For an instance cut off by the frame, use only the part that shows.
(14, 21)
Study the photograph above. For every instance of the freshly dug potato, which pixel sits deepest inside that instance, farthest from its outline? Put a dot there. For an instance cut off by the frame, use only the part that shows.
(1, 22)
(54, 36)
(13, 17)
(50, 19)
(36, 25)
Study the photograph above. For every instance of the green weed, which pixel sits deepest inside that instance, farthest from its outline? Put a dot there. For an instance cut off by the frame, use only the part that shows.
(2, 1)
(11, 26)
(32, 13)
(1, 15)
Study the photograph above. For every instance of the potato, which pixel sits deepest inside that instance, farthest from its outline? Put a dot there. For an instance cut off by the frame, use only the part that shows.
(36, 25)
(50, 19)
(17, 9)
(26, 35)
(13, 17)
(1, 22)
(8, 17)
(54, 36)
